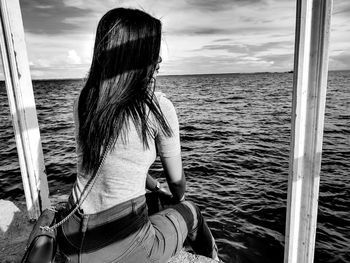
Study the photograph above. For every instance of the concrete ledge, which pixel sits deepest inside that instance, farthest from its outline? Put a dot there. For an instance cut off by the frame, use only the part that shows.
(185, 257)
(15, 229)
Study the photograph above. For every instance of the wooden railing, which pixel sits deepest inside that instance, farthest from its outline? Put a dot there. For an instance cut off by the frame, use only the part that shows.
(309, 98)
(22, 107)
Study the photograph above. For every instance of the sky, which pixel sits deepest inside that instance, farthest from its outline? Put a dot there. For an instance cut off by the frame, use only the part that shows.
(199, 36)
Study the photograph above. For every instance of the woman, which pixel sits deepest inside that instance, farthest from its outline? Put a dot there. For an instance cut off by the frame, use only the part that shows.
(119, 116)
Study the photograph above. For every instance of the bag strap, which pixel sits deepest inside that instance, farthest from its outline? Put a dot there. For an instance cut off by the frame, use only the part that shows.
(85, 192)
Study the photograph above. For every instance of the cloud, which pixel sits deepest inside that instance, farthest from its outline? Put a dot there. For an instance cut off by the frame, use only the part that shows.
(54, 72)
(44, 6)
(341, 7)
(234, 31)
(231, 48)
(279, 62)
(246, 18)
(73, 57)
(75, 3)
(237, 48)
(214, 65)
(218, 5)
(340, 61)
(249, 48)
(222, 39)
(201, 31)
(269, 56)
(277, 53)
(42, 18)
(52, 53)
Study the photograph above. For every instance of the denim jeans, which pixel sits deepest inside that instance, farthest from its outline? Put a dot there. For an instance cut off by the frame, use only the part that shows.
(126, 233)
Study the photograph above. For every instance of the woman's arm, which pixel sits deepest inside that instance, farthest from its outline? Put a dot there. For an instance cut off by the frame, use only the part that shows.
(175, 176)
(169, 151)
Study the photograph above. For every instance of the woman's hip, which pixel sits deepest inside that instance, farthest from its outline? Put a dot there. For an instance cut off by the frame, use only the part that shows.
(105, 236)
(135, 237)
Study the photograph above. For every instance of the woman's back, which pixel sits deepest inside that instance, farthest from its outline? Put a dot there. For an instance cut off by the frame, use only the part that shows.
(124, 171)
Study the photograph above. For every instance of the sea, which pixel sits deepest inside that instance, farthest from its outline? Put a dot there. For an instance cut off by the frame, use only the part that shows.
(235, 135)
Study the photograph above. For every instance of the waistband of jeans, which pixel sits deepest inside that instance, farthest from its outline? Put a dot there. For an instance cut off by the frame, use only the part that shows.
(119, 211)
(104, 228)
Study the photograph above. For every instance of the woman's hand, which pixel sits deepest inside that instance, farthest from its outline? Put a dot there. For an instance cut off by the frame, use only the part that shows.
(152, 184)
(165, 197)
(163, 191)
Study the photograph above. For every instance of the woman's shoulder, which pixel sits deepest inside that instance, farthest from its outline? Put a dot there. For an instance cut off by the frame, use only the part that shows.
(164, 102)
(159, 95)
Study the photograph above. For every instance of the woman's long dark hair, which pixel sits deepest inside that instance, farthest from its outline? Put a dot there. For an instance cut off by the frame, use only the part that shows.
(118, 88)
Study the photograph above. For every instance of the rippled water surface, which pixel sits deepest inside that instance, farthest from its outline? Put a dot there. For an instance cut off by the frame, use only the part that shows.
(235, 132)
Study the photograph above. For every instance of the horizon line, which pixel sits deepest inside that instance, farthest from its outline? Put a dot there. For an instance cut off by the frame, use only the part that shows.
(193, 74)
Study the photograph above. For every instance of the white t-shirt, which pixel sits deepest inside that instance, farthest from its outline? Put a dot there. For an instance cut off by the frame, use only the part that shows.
(123, 175)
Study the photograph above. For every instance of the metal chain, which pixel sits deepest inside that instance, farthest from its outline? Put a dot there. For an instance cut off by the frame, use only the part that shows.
(87, 188)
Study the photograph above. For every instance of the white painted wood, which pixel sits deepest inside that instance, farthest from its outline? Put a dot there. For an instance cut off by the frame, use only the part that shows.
(22, 108)
(309, 97)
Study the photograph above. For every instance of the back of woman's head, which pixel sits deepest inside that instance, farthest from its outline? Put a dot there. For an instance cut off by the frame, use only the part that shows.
(127, 40)
(126, 53)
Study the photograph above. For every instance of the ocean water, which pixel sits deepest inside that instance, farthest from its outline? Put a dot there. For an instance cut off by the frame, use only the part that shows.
(235, 134)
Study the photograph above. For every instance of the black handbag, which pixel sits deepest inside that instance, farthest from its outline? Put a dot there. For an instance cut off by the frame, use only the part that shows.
(42, 245)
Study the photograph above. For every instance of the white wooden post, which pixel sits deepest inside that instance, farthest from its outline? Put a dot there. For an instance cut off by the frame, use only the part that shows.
(309, 97)
(22, 108)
